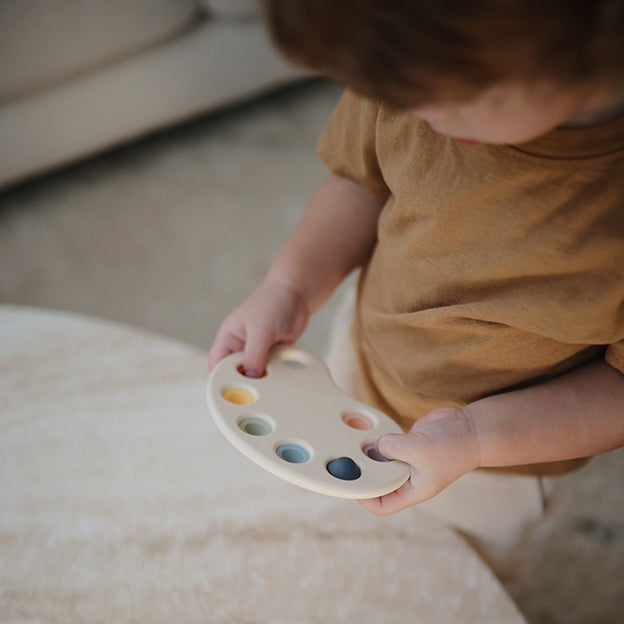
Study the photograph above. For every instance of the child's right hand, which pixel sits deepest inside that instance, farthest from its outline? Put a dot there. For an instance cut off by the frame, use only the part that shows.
(274, 313)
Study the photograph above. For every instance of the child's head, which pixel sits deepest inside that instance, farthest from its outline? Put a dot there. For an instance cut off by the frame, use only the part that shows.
(423, 54)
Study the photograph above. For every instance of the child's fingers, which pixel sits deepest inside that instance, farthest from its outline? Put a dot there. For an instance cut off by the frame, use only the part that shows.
(223, 346)
(397, 446)
(396, 501)
(256, 351)
(400, 447)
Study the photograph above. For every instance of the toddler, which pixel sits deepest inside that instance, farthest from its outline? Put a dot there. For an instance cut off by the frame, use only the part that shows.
(476, 175)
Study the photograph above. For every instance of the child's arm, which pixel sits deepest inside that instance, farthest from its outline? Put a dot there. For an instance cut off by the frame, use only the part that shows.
(336, 234)
(578, 414)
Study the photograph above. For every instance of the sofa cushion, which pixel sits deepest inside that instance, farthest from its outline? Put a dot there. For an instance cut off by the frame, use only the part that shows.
(232, 9)
(44, 42)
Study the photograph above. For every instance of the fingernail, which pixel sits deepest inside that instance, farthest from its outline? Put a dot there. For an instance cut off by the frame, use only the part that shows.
(255, 374)
(383, 441)
(373, 452)
(248, 372)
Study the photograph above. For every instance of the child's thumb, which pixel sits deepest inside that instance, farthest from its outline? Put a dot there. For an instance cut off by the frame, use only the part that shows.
(398, 446)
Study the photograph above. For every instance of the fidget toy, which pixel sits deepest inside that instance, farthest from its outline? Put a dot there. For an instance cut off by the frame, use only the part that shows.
(294, 422)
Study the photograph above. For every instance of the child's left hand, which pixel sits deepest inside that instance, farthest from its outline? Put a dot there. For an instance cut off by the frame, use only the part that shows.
(577, 414)
(440, 447)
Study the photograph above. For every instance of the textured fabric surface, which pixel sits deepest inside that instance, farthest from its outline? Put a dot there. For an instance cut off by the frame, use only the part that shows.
(122, 503)
(77, 77)
(44, 42)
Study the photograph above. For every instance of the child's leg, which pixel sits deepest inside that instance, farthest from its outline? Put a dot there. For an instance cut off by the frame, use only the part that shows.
(340, 357)
(503, 515)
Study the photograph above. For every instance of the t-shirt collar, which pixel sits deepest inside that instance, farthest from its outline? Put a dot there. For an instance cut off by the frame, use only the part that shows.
(578, 142)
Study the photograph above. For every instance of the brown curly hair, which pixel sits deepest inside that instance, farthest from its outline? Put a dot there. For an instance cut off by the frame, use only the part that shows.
(407, 52)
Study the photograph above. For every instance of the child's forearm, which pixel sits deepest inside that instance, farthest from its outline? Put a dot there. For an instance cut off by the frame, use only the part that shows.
(578, 414)
(336, 234)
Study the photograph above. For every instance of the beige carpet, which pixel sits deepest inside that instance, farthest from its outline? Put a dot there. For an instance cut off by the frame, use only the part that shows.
(170, 233)
(121, 503)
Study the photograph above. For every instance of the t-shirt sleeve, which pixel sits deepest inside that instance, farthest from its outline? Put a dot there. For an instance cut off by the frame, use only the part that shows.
(348, 144)
(615, 355)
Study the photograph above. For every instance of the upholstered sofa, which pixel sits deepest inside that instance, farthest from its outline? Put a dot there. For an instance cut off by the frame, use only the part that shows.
(80, 76)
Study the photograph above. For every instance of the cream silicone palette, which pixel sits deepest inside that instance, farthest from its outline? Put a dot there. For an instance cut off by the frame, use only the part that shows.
(294, 422)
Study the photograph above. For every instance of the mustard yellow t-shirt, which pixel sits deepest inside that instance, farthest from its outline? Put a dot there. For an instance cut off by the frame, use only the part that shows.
(496, 267)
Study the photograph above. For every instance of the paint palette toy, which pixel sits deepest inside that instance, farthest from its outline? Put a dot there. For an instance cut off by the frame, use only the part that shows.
(295, 423)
